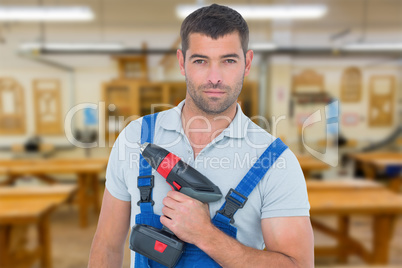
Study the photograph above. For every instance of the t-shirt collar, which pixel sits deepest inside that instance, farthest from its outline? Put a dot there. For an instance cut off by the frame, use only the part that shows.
(172, 118)
(236, 129)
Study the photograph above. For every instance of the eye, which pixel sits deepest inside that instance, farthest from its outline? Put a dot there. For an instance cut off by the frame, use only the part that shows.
(230, 61)
(199, 61)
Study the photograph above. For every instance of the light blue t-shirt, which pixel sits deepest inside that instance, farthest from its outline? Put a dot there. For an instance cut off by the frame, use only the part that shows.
(225, 161)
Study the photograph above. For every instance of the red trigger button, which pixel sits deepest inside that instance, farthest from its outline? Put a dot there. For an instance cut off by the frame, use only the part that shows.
(178, 187)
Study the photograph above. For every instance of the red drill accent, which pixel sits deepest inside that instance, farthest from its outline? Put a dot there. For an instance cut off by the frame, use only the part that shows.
(178, 187)
(167, 164)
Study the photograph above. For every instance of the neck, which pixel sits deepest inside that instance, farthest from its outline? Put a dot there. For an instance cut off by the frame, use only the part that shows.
(202, 128)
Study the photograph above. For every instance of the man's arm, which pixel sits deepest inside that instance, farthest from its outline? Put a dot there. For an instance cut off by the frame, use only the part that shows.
(289, 240)
(108, 244)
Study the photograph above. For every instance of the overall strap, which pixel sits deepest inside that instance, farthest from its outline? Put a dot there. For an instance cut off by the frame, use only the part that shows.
(236, 198)
(145, 181)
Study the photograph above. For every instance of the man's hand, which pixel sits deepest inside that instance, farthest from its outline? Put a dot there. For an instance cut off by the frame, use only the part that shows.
(186, 217)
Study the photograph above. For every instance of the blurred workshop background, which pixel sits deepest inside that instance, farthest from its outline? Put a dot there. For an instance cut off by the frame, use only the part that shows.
(326, 79)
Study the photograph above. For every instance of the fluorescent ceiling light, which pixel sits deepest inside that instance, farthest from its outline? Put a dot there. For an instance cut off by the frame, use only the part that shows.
(72, 46)
(373, 47)
(263, 46)
(55, 13)
(261, 12)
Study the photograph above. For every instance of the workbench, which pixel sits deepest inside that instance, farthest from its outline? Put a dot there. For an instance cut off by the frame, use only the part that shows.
(309, 163)
(21, 207)
(86, 170)
(374, 164)
(348, 198)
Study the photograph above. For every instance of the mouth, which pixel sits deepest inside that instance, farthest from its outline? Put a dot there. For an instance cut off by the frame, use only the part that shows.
(214, 93)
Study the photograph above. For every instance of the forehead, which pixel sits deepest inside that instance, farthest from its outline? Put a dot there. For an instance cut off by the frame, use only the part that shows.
(203, 44)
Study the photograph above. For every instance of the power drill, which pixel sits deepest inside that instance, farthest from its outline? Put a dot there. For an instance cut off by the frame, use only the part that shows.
(162, 245)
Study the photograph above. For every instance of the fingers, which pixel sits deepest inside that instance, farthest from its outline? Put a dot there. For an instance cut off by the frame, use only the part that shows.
(184, 216)
(176, 205)
(170, 207)
(169, 202)
(180, 197)
(166, 221)
(168, 212)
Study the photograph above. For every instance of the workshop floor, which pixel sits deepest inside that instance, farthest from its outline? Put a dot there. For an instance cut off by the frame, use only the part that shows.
(71, 244)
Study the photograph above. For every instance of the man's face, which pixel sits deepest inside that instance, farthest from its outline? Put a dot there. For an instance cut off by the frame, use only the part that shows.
(214, 71)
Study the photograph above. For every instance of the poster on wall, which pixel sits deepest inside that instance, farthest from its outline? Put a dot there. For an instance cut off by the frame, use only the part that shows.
(47, 100)
(382, 99)
(12, 107)
(351, 85)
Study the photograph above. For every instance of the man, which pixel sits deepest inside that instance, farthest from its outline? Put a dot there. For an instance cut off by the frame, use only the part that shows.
(210, 132)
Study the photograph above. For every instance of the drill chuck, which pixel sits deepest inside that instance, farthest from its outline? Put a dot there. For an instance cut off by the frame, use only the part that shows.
(142, 146)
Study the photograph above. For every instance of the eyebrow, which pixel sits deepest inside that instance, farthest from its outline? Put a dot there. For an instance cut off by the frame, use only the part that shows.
(198, 56)
(233, 55)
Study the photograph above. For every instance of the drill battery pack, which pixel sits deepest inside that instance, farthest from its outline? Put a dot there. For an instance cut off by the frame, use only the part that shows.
(155, 244)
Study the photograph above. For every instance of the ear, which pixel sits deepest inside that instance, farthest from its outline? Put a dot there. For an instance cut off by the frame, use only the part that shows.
(180, 58)
(249, 59)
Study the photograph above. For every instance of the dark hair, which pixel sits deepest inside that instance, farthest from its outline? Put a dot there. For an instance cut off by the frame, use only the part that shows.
(214, 21)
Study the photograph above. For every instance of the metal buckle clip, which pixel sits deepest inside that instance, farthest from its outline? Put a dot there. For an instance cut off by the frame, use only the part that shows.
(232, 204)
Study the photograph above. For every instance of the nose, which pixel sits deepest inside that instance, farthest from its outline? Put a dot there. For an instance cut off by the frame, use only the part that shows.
(214, 74)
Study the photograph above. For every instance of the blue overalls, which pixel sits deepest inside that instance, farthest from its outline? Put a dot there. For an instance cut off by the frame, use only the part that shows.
(235, 199)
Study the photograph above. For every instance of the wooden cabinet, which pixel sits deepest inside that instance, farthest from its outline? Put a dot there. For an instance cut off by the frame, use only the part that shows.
(133, 67)
(127, 100)
(248, 100)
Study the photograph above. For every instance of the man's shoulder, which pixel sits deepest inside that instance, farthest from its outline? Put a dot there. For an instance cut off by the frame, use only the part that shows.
(256, 132)
(260, 139)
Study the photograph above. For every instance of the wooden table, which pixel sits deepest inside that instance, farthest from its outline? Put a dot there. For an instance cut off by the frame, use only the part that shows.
(87, 171)
(24, 206)
(381, 162)
(348, 198)
(309, 163)
(3, 171)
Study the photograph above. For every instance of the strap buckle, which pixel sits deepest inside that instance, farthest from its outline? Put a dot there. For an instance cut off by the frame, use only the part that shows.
(234, 201)
(145, 188)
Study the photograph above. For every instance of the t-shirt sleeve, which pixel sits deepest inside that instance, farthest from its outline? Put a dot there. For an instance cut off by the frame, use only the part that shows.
(115, 179)
(284, 189)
